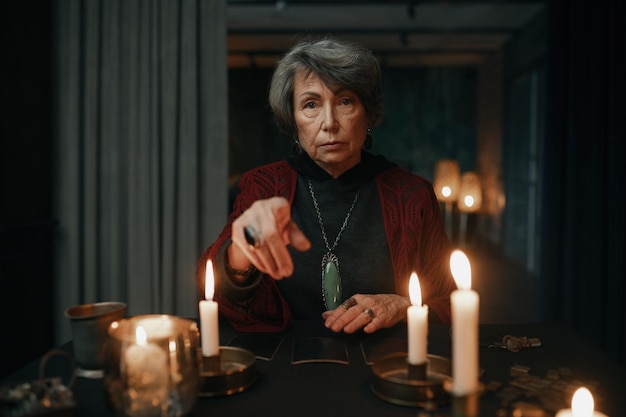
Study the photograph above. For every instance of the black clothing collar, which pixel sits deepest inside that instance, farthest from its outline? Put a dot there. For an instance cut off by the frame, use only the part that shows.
(369, 166)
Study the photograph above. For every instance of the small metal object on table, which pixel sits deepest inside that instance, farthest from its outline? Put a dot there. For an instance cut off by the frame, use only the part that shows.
(45, 396)
(516, 343)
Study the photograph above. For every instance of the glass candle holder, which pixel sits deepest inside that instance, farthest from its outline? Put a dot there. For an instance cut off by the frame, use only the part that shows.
(152, 366)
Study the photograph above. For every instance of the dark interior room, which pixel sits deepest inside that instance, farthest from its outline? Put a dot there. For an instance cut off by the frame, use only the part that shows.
(525, 94)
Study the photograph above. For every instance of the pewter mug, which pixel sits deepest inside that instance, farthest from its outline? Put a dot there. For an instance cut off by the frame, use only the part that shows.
(89, 324)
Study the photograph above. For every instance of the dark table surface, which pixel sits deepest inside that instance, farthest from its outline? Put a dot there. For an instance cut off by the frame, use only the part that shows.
(563, 362)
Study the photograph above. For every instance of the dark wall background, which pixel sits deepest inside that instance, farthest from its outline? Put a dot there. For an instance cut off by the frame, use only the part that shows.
(253, 136)
(430, 114)
(524, 92)
(584, 182)
(25, 183)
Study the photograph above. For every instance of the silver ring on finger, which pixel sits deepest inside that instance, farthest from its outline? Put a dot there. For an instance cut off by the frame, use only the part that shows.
(370, 313)
(252, 237)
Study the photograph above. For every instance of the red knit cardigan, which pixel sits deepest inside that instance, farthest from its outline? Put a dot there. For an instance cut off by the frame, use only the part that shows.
(414, 229)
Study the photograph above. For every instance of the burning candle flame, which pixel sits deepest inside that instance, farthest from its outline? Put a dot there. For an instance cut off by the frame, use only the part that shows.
(209, 281)
(582, 403)
(141, 336)
(461, 270)
(415, 291)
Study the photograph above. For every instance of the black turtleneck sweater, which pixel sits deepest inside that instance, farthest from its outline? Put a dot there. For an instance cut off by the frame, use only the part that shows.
(363, 252)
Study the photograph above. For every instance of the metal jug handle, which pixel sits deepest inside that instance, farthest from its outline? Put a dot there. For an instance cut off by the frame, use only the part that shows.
(51, 353)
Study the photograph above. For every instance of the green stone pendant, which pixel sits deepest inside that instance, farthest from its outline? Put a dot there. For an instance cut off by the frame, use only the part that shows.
(331, 281)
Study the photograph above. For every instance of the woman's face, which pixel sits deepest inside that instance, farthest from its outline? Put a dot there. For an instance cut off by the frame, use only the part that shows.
(332, 125)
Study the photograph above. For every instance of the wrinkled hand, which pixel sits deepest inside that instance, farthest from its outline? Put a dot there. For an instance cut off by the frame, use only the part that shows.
(386, 309)
(271, 219)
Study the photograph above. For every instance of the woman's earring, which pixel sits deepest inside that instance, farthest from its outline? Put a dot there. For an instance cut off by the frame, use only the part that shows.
(296, 148)
(367, 145)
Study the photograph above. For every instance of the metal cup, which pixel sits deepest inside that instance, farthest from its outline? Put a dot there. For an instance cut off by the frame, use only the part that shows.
(89, 324)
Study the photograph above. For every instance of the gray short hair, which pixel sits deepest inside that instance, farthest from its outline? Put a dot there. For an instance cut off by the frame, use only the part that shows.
(338, 64)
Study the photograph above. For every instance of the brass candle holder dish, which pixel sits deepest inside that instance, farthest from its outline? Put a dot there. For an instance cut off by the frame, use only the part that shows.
(467, 405)
(393, 384)
(229, 373)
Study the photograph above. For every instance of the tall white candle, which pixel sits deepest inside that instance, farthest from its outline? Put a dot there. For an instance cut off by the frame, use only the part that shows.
(209, 325)
(417, 323)
(464, 327)
(582, 405)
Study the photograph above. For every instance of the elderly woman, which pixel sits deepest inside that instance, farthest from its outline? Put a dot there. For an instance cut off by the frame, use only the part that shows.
(334, 232)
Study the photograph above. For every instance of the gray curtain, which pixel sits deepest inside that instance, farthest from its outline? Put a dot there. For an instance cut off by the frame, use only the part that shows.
(583, 267)
(140, 167)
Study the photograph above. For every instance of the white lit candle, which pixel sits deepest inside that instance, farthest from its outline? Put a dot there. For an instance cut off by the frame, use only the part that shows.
(464, 327)
(582, 405)
(209, 325)
(148, 376)
(417, 322)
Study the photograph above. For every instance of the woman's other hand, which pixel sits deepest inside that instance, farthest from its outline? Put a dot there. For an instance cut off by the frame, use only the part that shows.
(269, 221)
(368, 311)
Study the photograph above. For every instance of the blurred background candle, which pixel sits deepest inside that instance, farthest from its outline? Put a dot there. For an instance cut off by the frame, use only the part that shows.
(209, 325)
(417, 322)
(582, 405)
(464, 327)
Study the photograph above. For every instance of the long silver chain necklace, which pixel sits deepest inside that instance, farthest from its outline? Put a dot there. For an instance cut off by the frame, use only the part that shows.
(331, 279)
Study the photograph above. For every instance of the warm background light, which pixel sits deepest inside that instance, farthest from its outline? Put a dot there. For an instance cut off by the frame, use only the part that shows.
(470, 194)
(447, 180)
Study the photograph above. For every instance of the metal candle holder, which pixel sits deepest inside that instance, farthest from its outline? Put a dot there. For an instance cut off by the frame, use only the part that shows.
(394, 381)
(467, 405)
(229, 373)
